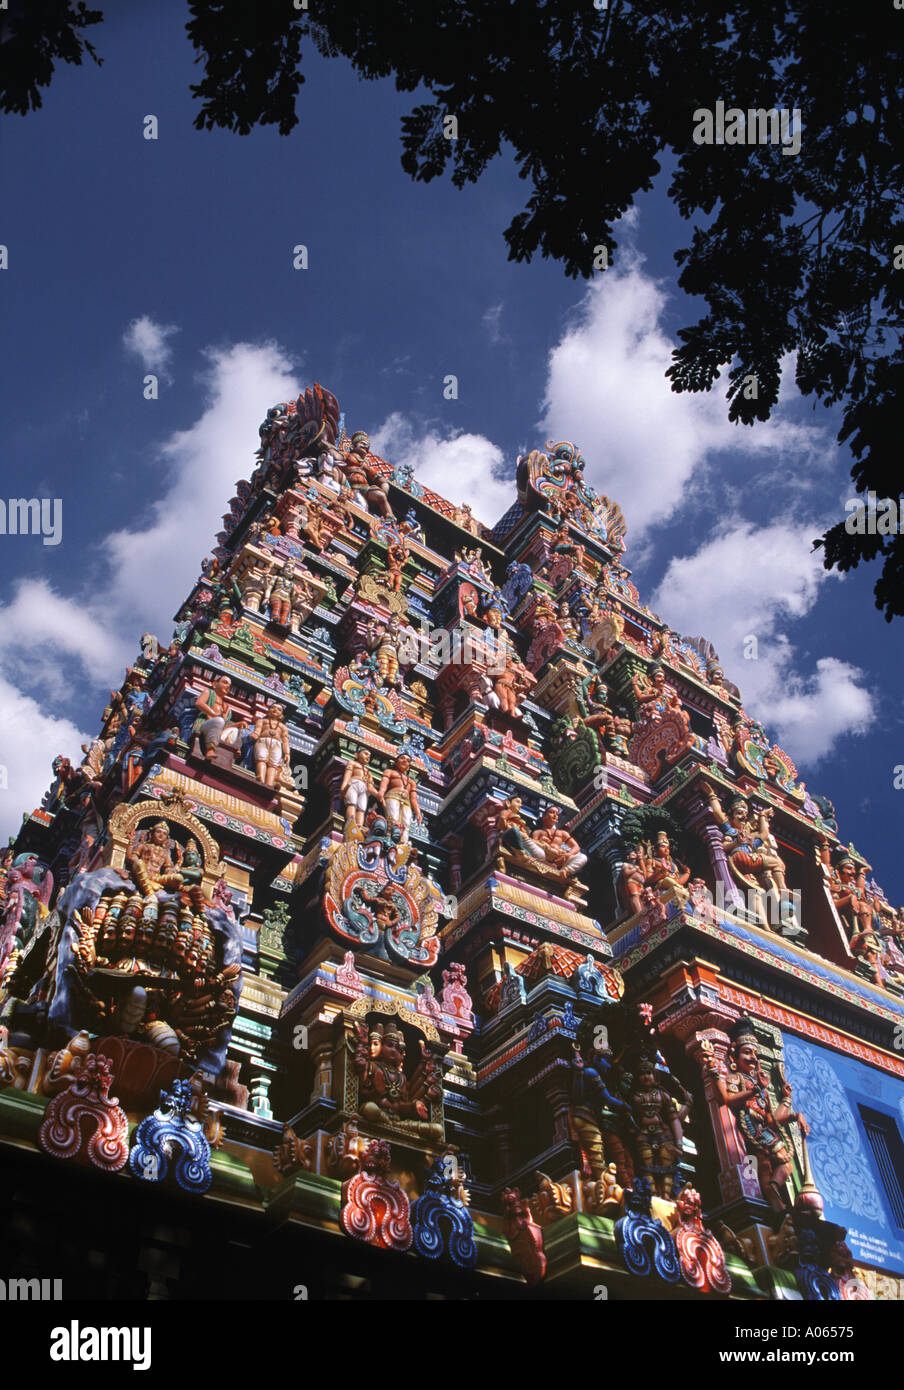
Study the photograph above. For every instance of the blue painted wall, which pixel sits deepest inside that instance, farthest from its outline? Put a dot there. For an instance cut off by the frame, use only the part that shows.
(828, 1090)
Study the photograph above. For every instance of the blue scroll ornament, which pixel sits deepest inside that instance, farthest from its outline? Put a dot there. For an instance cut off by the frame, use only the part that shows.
(171, 1128)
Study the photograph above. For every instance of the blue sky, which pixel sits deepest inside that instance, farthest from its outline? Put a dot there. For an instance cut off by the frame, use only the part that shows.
(175, 256)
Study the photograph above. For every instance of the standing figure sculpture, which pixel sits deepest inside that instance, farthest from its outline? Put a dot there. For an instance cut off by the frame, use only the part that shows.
(357, 786)
(745, 1090)
(397, 793)
(386, 641)
(369, 487)
(271, 746)
(753, 859)
(658, 1132)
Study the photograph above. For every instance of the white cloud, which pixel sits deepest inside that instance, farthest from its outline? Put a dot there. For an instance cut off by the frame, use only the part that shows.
(645, 445)
(492, 320)
(47, 640)
(155, 565)
(462, 468)
(150, 341)
(31, 739)
(750, 581)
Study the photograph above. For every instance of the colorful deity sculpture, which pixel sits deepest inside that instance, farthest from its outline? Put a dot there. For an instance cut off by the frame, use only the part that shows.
(271, 746)
(28, 888)
(385, 1093)
(847, 886)
(216, 724)
(387, 642)
(356, 789)
(657, 1128)
(752, 856)
(141, 951)
(612, 730)
(595, 1106)
(662, 872)
(369, 488)
(744, 1089)
(397, 793)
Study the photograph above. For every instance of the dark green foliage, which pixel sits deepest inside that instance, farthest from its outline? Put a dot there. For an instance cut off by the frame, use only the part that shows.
(791, 253)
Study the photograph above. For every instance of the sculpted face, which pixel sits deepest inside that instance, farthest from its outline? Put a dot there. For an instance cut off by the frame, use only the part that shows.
(550, 818)
(364, 756)
(159, 835)
(403, 763)
(738, 813)
(222, 685)
(746, 1057)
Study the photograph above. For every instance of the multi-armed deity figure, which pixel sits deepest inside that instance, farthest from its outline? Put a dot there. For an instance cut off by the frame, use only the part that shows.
(762, 1125)
(385, 1093)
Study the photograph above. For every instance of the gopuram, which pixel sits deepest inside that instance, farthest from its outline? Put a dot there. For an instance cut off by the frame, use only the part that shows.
(426, 918)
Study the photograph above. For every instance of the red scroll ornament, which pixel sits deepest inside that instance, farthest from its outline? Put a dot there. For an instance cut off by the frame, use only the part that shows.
(375, 1208)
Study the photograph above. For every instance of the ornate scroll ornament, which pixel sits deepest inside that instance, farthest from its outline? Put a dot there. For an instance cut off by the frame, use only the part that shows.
(699, 1252)
(440, 1220)
(171, 1126)
(377, 903)
(372, 589)
(375, 1208)
(753, 755)
(644, 1244)
(357, 692)
(85, 1122)
(573, 754)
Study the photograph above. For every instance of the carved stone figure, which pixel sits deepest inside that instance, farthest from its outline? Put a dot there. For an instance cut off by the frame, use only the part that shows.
(216, 724)
(384, 1090)
(357, 787)
(271, 746)
(397, 793)
(754, 861)
(745, 1090)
